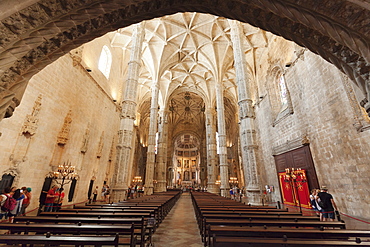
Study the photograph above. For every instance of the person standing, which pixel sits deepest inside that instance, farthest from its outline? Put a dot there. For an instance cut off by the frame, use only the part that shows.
(107, 194)
(95, 193)
(103, 190)
(326, 202)
(50, 197)
(18, 196)
(58, 200)
(27, 200)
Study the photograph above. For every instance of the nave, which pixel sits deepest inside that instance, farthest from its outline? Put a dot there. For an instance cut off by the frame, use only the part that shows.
(180, 227)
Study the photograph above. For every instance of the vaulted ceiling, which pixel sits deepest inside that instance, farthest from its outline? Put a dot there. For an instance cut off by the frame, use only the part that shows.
(187, 54)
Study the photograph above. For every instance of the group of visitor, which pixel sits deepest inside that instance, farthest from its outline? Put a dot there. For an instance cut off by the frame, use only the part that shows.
(54, 199)
(236, 194)
(135, 191)
(323, 204)
(14, 201)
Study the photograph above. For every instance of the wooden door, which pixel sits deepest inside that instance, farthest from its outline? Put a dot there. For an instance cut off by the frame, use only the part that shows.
(297, 158)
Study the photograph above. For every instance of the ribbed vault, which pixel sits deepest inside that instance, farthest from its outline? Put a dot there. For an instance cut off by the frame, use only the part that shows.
(36, 34)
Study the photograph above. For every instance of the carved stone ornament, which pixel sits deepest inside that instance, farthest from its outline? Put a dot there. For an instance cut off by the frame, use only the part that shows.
(76, 56)
(101, 144)
(31, 122)
(64, 133)
(290, 145)
(85, 139)
(111, 152)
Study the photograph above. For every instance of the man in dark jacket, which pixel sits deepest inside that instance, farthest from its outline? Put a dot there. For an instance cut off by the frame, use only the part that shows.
(327, 204)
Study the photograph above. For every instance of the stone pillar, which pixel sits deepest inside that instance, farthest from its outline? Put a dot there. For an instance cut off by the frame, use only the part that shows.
(150, 161)
(224, 171)
(120, 180)
(247, 116)
(212, 172)
(162, 151)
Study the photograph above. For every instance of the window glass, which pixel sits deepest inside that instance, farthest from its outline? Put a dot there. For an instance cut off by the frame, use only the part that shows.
(283, 91)
(105, 61)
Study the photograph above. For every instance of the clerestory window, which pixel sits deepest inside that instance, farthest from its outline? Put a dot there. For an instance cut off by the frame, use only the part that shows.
(105, 61)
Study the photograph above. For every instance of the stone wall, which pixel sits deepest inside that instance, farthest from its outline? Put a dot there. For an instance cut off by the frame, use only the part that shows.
(322, 113)
(95, 118)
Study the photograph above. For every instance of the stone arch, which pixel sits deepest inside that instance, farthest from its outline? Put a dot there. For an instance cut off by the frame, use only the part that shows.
(14, 172)
(41, 32)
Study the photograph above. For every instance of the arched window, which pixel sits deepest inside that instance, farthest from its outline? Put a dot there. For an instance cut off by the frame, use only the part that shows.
(281, 103)
(105, 61)
(283, 91)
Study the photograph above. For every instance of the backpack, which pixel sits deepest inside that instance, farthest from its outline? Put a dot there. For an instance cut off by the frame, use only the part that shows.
(322, 203)
(9, 204)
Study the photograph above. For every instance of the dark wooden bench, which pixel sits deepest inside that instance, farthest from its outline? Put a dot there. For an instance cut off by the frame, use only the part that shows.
(152, 211)
(97, 214)
(282, 242)
(241, 212)
(266, 224)
(141, 230)
(59, 240)
(250, 217)
(273, 232)
(126, 230)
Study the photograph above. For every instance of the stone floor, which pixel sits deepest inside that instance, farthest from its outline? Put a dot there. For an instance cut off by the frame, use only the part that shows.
(179, 228)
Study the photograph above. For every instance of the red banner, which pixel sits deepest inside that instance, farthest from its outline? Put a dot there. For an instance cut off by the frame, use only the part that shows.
(295, 190)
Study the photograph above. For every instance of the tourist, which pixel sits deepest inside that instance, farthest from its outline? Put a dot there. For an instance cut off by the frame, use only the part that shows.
(49, 201)
(58, 200)
(103, 190)
(27, 200)
(18, 196)
(95, 193)
(326, 202)
(107, 194)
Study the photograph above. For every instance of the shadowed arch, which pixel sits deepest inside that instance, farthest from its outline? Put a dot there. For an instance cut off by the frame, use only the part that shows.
(37, 35)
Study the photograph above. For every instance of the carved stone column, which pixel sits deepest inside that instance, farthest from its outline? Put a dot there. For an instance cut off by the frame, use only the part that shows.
(211, 151)
(150, 161)
(120, 179)
(247, 116)
(161, 169)
(224, 171)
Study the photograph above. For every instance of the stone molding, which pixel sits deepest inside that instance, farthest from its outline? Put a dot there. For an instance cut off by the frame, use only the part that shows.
(290, 145)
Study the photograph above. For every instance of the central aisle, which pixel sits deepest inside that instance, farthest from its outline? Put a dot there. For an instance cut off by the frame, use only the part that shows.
(179, 228)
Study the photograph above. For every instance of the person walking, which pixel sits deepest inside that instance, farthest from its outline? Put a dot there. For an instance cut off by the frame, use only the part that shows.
(326, 202)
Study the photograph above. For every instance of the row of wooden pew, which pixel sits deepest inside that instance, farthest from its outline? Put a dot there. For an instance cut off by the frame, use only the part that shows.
(130, 223)
(226, 223)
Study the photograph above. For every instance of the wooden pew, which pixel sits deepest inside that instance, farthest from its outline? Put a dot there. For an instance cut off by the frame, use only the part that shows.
(153, 211)
(127, 230)
(97, 214)
(141, 230)
(283, 242)
(59, 240)
(266, 223)
(243, 212)
(271, 232)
